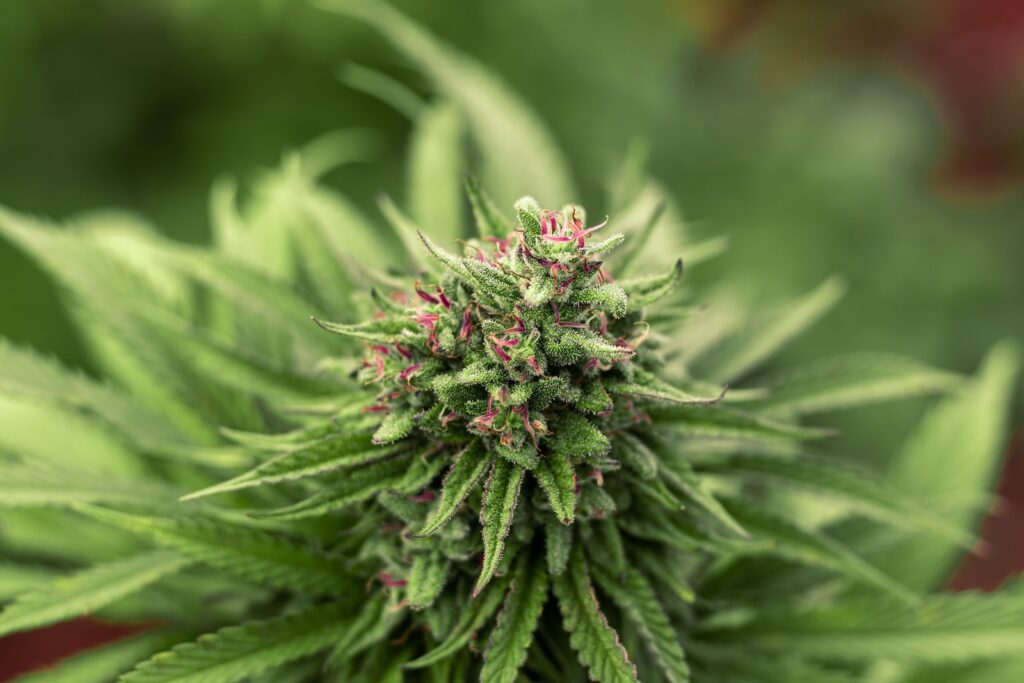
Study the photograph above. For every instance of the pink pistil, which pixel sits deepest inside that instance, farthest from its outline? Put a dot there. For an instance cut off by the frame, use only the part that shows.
(449, 418)
(467, 325)
(555, 270)
(427, 320)
(444, 299)
(581, 235)
(524, 413)
(487, 419)
(501, 353)
(561, 239)
(391, 582)
(520, 326)
(500, 244)
(404, 375)
(644, 336)
(429, 298)
(563, 286)
(424, 497)
(404, 351)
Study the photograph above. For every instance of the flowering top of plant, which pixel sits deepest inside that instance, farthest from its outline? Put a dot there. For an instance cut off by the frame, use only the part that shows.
(509, 435)
(503, 467)
(524, 357)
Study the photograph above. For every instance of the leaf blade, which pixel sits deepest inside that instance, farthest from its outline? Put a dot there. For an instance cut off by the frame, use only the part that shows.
(501, 498)
(634, 595)
(249, 554)
(237, 652)
(88, 590)
(516, 623)
(465, 472)
(594, 640)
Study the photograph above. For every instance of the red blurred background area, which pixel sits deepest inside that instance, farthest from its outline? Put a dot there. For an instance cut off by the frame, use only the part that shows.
(967, 54)
(1001, 531)
(25, 652)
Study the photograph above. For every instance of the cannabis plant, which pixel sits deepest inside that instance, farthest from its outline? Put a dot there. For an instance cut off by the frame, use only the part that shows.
(502, 454)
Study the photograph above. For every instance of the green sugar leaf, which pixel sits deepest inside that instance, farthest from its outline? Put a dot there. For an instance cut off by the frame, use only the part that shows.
(501, 497)
(426, 579)
(462, 478)
(556, 476)
(648, 386)
(594, 640)
(525, 455)
(576, 438)
(637, 599)
(478, 613)
(645, 291)
(513, 632)
(609, 297)
(396, 426)
(635, 455)
(557, 545)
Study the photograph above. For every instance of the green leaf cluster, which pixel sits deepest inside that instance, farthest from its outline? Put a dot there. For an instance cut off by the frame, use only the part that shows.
(502, 450)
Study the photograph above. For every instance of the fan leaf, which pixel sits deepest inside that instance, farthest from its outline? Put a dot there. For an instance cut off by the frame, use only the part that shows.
(513, 631)
(88, 590)
(637, 599)
(236, 653)
(501, 497)
(249, 554)
(594, 640)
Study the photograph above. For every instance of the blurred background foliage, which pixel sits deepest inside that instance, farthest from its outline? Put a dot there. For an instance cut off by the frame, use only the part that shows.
(821, 137)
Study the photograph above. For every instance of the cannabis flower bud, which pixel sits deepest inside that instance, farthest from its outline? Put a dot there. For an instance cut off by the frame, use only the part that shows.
(523, 357)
